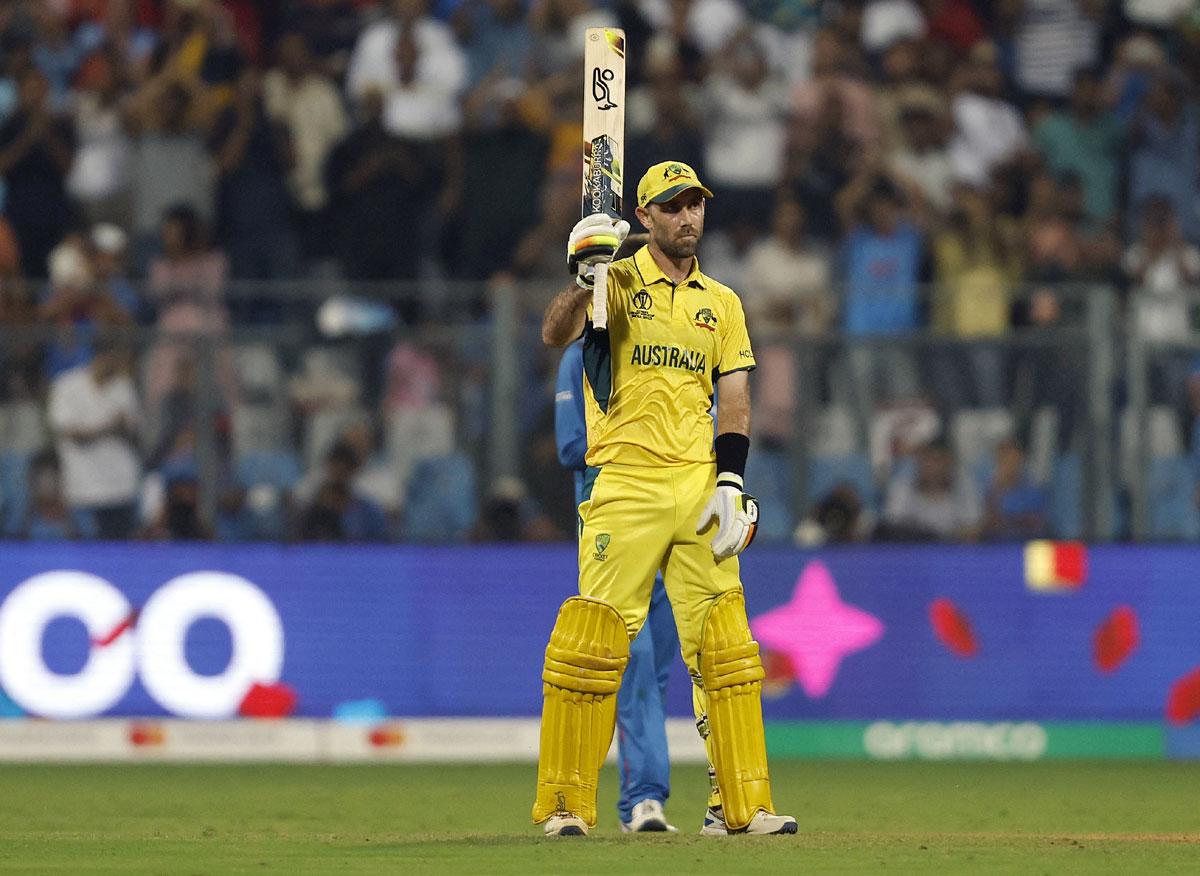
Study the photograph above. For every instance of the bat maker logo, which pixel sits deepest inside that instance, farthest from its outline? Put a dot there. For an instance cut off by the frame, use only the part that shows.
(642, 302)
(600, 90)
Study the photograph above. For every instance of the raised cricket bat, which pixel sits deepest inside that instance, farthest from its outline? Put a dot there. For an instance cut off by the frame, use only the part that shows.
(603, 139)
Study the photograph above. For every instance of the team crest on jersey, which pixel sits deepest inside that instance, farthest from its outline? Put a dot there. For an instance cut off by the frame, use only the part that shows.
(602, 542)
(706, 319)
(642, 303)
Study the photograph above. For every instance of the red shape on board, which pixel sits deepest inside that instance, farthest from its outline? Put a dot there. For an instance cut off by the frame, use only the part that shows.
(1115, 639)
(1070, 562)
(276, 700)
(1183, 699)
(953, 628)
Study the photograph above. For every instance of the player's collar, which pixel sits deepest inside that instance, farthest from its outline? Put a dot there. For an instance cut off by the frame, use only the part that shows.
(650, 272)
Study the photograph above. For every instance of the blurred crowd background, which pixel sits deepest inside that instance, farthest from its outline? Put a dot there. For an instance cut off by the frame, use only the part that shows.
(274, 269)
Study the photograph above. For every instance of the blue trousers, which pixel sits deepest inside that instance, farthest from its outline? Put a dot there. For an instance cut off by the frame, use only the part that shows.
(642, 708)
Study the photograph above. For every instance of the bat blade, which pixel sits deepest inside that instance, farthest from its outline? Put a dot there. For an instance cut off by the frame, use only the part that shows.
(603, 140)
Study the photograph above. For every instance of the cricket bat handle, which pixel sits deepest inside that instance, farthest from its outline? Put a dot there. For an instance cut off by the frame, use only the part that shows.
(600, 296)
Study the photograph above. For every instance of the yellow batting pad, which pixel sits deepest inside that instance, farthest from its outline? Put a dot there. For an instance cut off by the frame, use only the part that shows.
(732, 675)
(585, 660)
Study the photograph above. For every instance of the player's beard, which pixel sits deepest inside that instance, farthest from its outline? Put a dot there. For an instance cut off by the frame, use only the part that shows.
(679, 248)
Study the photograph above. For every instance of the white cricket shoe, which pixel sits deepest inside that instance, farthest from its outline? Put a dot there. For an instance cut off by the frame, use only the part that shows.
(565, 824)
(762, 824)
(714, 823)
(648, 817)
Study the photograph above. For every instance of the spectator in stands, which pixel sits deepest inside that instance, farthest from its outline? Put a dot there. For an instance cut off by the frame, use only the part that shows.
(1084, 140)
(77, 306)
(921, 157)
(1162, 269)
(55, 53)
(413, 61)
(837, 81)
(934, 502)
(99, 179)
(509, 514)
(885, 22)
(977, 263)
(838, 518)
(180, 518)
(788, 276)
(48, 517)
(1014, 507)
(1165, 138)
(20, 350)
(303, 101)
(1054, 38)
(253, 155)
(329, 28)
(785, 291)
(881, 263)
(186, 287)
(171, 166)
(36, 151)
(496, 133)
(108, 247)
(497, 38)
(663, 113)
(747, 106)
(821, 161)
(359, 518)
(989, 131)
(94, 414)
(379, 184)
(120, 38)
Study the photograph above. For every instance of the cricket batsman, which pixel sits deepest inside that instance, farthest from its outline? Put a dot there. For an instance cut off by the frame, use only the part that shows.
(665, 496)
(643, 757)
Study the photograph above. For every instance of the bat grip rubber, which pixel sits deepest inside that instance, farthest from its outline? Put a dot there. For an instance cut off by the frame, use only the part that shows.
(600, 296)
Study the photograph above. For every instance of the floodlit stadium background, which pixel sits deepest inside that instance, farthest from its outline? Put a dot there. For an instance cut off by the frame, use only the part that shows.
(321, 234)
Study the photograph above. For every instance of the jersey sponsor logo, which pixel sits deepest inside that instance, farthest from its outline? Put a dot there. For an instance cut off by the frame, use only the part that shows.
(642, 304)
(746, 353)
(602, 542)
(706, 319)
(662, 356)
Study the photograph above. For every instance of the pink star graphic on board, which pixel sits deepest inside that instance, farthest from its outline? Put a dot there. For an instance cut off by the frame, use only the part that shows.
(816, 629)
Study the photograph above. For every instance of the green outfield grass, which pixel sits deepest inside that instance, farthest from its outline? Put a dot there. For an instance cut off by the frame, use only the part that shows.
(1117, 817)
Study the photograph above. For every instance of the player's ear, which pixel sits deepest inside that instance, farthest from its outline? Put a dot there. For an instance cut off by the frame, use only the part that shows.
(643, 216)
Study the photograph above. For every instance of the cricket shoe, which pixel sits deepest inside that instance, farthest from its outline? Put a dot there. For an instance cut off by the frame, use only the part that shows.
(762, 824)
(648, 817)
(565, 824)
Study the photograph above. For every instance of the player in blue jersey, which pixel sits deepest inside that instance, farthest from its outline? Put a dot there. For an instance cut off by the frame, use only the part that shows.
(641, 704)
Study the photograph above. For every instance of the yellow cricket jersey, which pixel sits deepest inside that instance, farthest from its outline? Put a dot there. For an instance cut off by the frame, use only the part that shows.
(648, 380)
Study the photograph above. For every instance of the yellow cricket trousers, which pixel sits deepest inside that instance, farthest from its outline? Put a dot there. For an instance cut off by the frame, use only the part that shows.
(636, 520)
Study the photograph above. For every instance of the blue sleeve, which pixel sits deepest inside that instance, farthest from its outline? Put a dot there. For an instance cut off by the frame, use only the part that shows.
(570, 428)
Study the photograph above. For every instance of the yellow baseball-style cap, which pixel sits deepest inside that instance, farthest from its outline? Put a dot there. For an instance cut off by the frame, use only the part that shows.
(665, 180)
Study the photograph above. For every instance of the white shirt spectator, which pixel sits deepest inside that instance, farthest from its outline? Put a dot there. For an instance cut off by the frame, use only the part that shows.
(945, 515)
(987, 132)
(427, 107)
(101, 166)
(312, 112)
(886, 21)
(105, 471)
(747, 132)
(1161, 300)
(780, 277)
(1054, 39)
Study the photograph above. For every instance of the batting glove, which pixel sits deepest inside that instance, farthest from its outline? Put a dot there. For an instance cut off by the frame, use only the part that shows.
(595, 238)
(736, 513)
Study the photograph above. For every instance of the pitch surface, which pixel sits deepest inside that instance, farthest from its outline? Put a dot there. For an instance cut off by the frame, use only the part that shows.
(1118, 817)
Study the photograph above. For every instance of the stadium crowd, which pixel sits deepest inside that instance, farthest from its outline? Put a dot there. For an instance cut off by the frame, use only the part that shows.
(881, 168)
